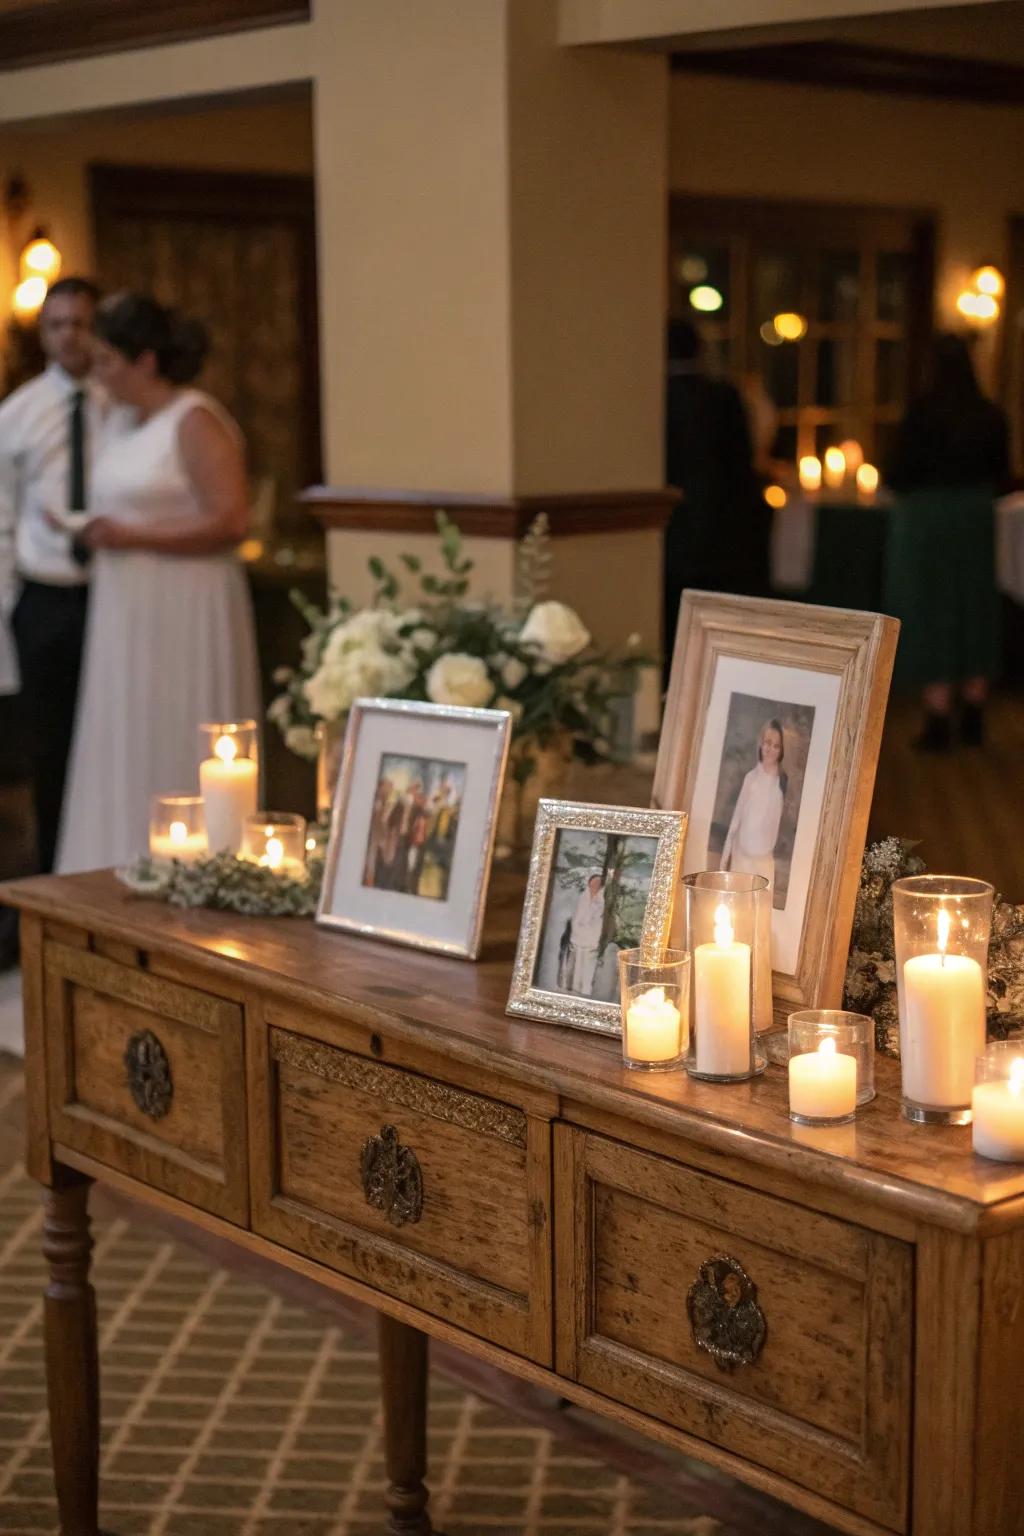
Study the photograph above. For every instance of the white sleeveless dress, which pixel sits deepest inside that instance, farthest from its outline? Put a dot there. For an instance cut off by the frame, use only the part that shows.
(169, 643)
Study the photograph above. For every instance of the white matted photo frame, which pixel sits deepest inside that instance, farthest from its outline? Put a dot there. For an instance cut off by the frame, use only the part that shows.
(770, 742)
(602, 878)
(413, 823)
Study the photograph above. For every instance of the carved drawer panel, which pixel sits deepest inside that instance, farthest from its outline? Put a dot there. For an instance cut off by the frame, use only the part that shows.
(419, 1188)
(148, 1077)
(773, 1332)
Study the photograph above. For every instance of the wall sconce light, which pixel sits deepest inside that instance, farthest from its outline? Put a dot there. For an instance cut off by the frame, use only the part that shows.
(41, 258)
(979, 301)
(29, 297)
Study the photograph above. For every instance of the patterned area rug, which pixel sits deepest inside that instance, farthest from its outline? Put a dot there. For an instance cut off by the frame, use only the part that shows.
(235, 1408)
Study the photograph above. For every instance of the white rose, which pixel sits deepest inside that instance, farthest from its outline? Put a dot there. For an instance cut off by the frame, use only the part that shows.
(513, 671)
(301, 740)
(459, 679)
(424, 639)
(557, 632)
(326, 692)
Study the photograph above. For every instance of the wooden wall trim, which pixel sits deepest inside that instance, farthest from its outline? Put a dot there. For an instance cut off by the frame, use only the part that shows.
(489, 517)
(47, 31)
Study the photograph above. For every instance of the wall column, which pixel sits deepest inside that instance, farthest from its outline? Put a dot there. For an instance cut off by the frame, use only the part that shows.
(492, 246)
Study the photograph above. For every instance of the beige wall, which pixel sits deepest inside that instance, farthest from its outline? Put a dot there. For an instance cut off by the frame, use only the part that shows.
(588, 143)
(755, 139)
(269, 137)
(412, 208)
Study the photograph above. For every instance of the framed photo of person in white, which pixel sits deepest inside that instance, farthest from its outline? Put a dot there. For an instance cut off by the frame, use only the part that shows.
(772, 729)
(603, 878)
(413, 823)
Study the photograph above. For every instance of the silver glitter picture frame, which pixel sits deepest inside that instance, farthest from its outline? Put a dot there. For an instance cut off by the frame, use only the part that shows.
(531, 1000)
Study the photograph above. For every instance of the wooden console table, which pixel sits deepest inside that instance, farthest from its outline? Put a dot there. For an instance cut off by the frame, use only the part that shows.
(836, 1317)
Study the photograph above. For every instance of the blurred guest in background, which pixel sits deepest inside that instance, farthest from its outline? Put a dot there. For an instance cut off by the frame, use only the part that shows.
(717, 538)
(170, 640)
(49, 431)
(950, 456)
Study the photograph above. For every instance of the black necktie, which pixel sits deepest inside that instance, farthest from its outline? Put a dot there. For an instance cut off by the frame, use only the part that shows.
(76, 478)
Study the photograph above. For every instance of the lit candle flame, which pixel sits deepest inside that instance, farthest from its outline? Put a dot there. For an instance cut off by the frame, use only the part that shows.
(274, 853)
(810, 472)
(1017, 1076)
(723, 925)
(827, 1047)
(867, 479)
(177, 832)
(226, 748)
(944, 923)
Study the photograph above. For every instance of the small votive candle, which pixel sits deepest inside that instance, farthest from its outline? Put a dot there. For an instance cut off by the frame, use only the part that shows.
(831, 1065)
(835, 468)
(867, 481)
(176, 828)
(654, 995)
(277, 840)
(942, 925)
(997, 1102)
(809, 471)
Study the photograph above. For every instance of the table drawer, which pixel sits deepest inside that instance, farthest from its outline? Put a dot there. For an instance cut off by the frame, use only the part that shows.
(773, 1332)
(148, 1076)
(419, 1188)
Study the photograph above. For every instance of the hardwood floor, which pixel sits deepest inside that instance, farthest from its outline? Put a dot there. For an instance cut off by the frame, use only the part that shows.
(967, 806)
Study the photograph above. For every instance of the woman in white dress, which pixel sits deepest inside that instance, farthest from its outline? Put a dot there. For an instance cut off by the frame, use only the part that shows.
(754, 829)
(170, 640)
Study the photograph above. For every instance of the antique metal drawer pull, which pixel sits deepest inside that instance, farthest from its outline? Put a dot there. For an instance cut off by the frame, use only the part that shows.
(392, 1177)
(724, 1315)
(149, 1074)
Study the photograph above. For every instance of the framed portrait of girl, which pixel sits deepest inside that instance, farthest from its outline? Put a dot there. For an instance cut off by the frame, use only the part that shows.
(773, 724)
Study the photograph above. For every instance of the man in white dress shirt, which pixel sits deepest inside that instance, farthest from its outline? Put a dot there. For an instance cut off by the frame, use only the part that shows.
(48, 430)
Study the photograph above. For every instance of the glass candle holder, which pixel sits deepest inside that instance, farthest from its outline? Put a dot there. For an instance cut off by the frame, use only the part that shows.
(177, 829)
(229, 780)
(831, 1065)
(997, 1102)
(654, 993)
(942, 926)
(277, 840)
(724, 933)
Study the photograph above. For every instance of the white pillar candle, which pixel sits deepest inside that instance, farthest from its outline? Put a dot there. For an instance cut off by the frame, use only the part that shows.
(823, 1083)
(722, 1002)
(998, 1106)
(944, 1027)
(653, 1031)
(228, 785)
(178, 843)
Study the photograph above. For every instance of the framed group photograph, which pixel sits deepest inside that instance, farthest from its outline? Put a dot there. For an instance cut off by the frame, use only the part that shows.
(413, 823)
(770, 742)
(602, 879)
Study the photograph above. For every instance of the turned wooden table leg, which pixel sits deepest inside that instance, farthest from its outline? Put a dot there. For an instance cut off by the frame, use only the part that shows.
(72, 1371)
(403, 1369)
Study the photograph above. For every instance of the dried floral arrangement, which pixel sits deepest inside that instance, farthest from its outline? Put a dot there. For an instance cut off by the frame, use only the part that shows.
(871, 972)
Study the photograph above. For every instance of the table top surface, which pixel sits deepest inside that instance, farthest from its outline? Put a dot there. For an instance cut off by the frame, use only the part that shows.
(457, 1008)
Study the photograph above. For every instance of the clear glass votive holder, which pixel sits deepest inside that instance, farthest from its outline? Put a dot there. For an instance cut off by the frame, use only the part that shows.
(831, 1065)
(654, 994)
(277, 840)
(177, 829)
(724, 933)
(229, 777)
(997, 1102)
(942, 925)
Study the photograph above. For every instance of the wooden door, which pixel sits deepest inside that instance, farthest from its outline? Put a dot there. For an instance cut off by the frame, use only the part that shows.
(237, 251)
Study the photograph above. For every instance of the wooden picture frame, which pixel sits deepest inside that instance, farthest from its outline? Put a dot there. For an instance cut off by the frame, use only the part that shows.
(735, 659)
(578, 836)
(413, 824)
